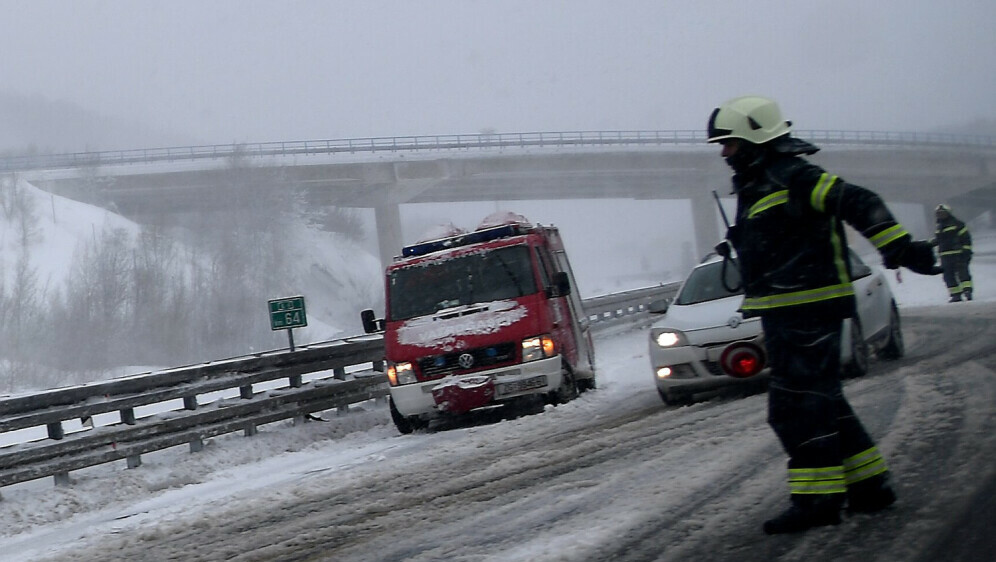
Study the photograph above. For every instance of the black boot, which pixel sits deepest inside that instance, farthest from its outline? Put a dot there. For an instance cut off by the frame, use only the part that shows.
(870, 496)
(806, 512)
(955, 298)
(968, 295)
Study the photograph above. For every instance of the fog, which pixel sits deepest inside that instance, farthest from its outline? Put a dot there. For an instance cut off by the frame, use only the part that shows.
(250, 71)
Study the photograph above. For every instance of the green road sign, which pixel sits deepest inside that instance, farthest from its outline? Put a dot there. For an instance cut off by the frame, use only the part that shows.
(287, 313)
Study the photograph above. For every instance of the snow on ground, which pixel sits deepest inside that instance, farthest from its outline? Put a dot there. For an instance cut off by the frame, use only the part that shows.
(37, 518)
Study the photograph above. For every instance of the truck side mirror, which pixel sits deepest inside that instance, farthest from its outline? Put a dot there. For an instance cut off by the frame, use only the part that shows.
(658, 306)
(370, 322)
(561, 285)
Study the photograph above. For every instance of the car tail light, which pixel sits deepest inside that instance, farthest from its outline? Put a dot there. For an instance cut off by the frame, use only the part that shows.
(742, 360)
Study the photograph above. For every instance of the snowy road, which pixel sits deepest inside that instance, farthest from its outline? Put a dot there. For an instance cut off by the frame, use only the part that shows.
(615, 475)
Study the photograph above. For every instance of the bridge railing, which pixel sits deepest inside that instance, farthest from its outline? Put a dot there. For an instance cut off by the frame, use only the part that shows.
(185, 405)
(481, 141)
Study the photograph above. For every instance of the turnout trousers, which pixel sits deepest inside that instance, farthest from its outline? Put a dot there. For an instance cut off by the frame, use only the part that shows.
(956, 274)
(830, 453)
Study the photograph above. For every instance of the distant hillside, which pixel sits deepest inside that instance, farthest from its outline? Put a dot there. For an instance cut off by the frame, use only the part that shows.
(35, 124)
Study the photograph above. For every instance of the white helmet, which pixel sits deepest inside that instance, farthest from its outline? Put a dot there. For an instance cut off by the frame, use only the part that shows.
(751, 118)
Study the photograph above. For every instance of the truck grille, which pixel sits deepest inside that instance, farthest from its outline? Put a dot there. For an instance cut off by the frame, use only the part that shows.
(440, 365)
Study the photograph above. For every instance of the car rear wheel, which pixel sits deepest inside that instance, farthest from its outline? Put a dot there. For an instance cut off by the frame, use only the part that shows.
(857, 366)
(894, 347)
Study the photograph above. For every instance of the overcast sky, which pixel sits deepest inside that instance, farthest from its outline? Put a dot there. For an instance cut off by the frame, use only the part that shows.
(220, 71)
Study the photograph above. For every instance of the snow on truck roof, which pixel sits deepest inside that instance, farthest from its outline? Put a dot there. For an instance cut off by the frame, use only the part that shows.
(497, 225)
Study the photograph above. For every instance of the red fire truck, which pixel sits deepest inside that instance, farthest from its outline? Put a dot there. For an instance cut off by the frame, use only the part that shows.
(483, 319)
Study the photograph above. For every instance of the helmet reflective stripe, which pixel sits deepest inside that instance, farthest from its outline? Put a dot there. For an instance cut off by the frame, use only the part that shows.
(751, 118)
(818, 197)
(827, 480)
(767, 202)
(799, 297)
(943, 207)
(890, 234)
(864, 465)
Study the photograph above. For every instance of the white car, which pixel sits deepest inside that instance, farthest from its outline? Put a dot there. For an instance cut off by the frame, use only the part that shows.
(704, 319)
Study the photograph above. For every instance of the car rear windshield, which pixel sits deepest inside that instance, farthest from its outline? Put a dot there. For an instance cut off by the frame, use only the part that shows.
(705, 283)
(481, 277)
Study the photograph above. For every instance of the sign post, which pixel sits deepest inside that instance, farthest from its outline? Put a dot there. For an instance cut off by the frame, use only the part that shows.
(287, 314)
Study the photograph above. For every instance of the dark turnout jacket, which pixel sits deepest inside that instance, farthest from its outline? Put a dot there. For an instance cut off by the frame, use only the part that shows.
(952, 237)
(789, 237)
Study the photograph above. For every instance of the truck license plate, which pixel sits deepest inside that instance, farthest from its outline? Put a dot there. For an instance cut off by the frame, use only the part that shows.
(513, 387)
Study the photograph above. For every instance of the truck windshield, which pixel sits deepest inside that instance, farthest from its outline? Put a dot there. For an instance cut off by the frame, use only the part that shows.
(705, 283)
(481, 277)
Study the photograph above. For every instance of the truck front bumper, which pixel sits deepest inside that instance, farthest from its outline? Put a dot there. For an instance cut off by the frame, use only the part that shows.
(423, 399)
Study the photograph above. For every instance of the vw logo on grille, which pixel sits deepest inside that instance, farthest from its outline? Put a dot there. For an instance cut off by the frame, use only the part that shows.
(466, 360)
(734, 321)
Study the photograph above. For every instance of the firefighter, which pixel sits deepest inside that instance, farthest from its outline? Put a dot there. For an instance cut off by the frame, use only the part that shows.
(954, 244)
(789, 236)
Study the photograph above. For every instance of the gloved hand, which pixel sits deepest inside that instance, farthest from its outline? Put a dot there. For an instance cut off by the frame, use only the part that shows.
(917, 256)
(724, 249)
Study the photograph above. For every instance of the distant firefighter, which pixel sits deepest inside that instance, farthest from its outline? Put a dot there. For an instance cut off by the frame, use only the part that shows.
(954, 244)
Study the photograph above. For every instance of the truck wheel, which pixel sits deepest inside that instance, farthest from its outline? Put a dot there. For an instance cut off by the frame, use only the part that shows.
(405, 424)
(585, 385)
(568, 389)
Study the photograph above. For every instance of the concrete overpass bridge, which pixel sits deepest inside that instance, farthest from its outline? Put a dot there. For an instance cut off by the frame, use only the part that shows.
(384, 173)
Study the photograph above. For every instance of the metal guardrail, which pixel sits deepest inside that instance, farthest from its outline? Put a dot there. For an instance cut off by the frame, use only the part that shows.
(621, 307)
(292, 398)
(133, 436)
(482, 141)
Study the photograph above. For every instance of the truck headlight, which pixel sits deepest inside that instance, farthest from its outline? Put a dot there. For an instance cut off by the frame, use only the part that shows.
(668, 338)
(401, 373)
(539, 347)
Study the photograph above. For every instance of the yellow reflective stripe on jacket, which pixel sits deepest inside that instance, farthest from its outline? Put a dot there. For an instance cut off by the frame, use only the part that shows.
(864, 465)
(890, 234)
(838, 254)
(767, 202)
(956, 251)
(798, 297)
(825, 480)
(818, 197)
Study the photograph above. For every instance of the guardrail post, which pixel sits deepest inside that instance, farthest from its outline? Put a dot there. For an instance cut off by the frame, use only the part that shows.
(128, 418)
(56, 432)
(245, 393)
(339, 373)
(190, 403)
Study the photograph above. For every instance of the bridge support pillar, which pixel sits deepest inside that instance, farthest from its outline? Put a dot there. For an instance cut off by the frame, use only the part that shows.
(705, 217)
(388, 219)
